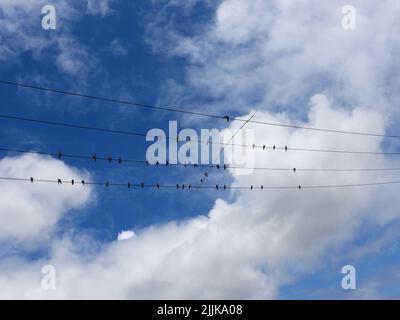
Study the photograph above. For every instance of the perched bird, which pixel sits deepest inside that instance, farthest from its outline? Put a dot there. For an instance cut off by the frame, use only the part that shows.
(158, 186)
(273, 148)
(227, 118)
(285, 148)
(72, 181)
(216, 187)
(299, 187)
(129, 185)
(59, 155)
(59, 181)
(107, 184)
(31, 180)
(109, 159)
(94, 158)
(294, 169)
(83, 182)
(251, 188)
(264, 147)
(262, 187)
(142, 185)
(119, 160)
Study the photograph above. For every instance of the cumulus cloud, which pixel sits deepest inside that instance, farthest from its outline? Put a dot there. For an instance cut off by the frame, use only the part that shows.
(125, 235)
(30, 212)
(257, 54)
(245, 249)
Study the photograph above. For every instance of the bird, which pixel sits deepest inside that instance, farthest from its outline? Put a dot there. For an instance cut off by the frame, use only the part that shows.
(227, 118)
(83, 182)
(264, 147)
(109, 159)
(119, 160)
(183, 186)
(129, 185)
(158, 186)
(218, 166)
(262, 187)
(59, 181)
(177, 186)
(224, 187)
(251, 188)
(294, 169)
(190, 186)
(273, 148)
(31, 180)
(107, 184)
(142, 185)
(216, 187)
(299, 187)
(94, 158)
(72, 181)
(285, 148)
(59, 155)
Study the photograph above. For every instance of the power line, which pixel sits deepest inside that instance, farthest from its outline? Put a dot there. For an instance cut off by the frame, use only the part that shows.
(158, 186)
(205, 176)
(139, 134)
(121, 160)
(195, 113)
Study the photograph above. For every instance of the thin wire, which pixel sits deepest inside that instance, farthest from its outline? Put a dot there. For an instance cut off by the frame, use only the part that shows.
(122, 160)
(183, 111)
(189, 187)
(223, 148)
(253, 146)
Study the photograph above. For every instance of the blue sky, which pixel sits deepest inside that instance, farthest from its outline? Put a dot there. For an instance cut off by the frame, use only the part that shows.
(282, 62)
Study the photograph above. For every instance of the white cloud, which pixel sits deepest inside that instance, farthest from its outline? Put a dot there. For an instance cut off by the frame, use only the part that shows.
(125, 235)
(273, 52)
(21, 31)
(30, 212)
(245, 249)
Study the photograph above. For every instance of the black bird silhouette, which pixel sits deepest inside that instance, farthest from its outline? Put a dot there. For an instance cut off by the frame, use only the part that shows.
(94, 158)
(294, 169)
(83, 182)
(59, 155)
(109, 159)
(142, 185)
(299, 187)
(107, 184)
(227, 118)
(59, 181)
(129, 185)
(216, 187)
(119, 160)
(262, 187)
(273, 148)
(72, 181)
(264, 147)
(251, 188)
(158, 186)
(31, 180)
(285, 148)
